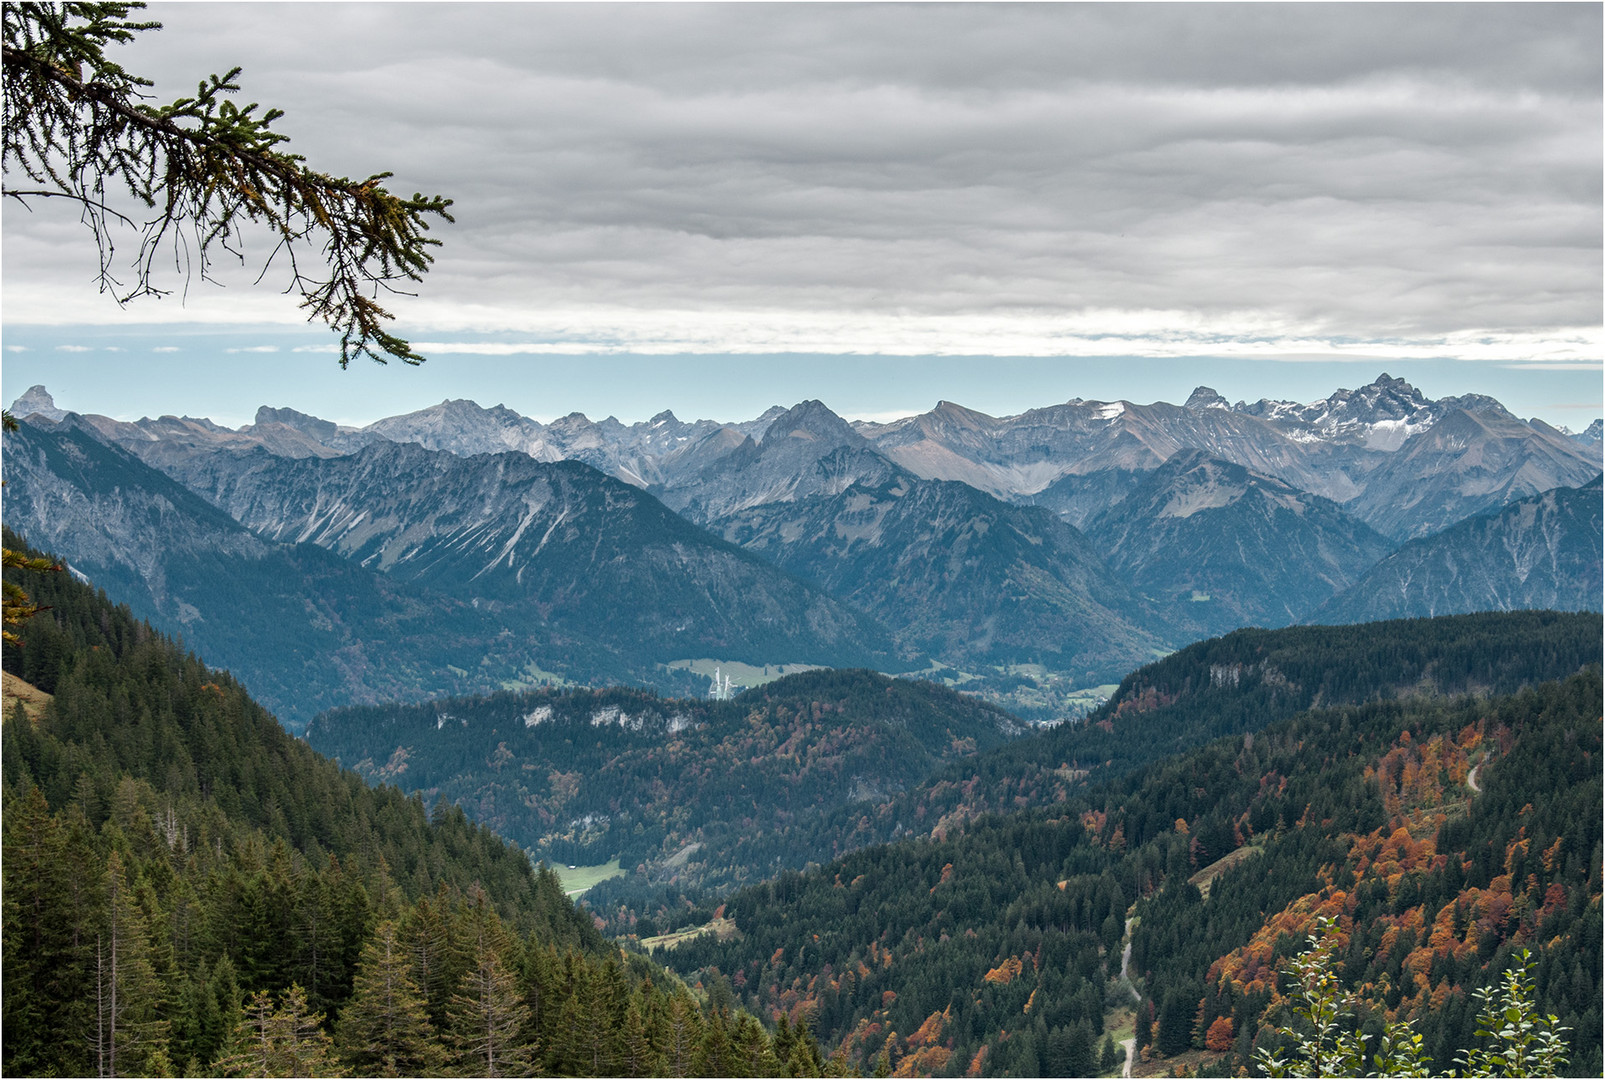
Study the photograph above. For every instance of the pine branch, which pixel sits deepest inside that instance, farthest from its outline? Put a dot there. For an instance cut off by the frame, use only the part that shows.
(76, 125)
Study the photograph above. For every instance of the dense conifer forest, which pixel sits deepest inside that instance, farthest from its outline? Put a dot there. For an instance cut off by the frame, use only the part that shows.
(721, 791)
(189, 889)
(996, 950)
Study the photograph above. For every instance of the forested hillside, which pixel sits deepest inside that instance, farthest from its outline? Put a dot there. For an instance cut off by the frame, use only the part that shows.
(995, 950)
(1229, 686)
(187, 887)
(695, 792)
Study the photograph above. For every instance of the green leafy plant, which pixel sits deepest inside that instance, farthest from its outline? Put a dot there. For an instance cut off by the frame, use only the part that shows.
(1323, 1046)
(1526, 1043)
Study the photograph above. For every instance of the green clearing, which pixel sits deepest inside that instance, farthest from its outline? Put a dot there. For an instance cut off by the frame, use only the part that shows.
(577, 879)
(739, 674)
(724, 929)
(1091, 696)
(1206, 877)
(534, 676)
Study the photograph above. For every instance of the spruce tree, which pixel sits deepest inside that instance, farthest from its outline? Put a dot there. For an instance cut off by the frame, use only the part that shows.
(127, 1031)
(285, 1041)
(637, 1056)
(682, 1036)
(487, 1019)
(384, 1029)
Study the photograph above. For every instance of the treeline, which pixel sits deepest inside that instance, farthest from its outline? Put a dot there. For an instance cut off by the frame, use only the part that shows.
(188, 889)
(984, 951)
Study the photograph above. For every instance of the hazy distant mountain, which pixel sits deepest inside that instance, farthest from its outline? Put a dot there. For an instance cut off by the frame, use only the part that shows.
(559, 543)
(1466, 464)
(1025, 454)
(1378, 416)
(954, 571)
(36, 401)
(861, 511)
(303, 628)
(1079, 497)
(1544, 551)
(807, 450)
(641, 454)
(1218, 546)
(1346, 447)
(481, 572)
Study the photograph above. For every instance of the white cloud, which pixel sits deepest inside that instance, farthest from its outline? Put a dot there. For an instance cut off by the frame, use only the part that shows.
(1274, 181)
(16, 348)
(253, 349)
(166, 349)
(74, 348)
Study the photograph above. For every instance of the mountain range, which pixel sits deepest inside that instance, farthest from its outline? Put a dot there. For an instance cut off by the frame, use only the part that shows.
(1028, 558)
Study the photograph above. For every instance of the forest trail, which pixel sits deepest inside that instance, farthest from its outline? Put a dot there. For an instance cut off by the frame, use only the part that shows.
(1471, 780)
(1125, 964)
(1130, 1044)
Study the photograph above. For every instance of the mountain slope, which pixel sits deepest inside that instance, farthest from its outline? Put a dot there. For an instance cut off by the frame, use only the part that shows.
(189, 889)
(1544, 551)
(985, 950)
(783, 464)
(558, 545)
(304, 628)
(1466, 464)
(707, 793)
(1218, 546)
(1022, 455)
(1231, 686)
(959, 573)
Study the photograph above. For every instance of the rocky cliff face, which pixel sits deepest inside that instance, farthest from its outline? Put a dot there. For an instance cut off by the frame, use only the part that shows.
(1544, 551)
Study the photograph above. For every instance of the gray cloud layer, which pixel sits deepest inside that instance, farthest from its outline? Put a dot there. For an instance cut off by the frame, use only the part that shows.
(1367, 172)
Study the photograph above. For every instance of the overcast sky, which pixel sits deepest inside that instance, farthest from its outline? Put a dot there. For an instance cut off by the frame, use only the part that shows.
(699, 206)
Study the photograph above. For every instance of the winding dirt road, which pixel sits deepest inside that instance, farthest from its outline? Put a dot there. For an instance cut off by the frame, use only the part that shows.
(1130, 1044)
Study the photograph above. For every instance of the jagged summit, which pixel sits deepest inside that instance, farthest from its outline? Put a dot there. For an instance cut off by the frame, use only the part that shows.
(300, 421)
(812, 419)
(1205, 397)
(37, 402)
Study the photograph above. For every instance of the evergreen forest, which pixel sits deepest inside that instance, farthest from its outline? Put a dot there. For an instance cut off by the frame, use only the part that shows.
(996, 950)
(188, 890)
(920, 889)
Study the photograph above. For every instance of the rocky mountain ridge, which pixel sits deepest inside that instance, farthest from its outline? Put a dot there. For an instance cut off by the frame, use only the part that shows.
(1217, 546)
(1361, 448)
(938, 527)
(1544, 551)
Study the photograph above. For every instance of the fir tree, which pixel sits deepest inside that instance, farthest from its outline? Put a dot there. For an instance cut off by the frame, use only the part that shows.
(384, 1029)
(128, 1030)
(487, 1019)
